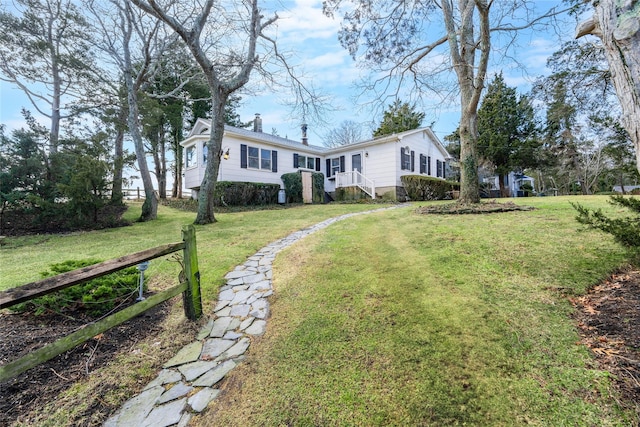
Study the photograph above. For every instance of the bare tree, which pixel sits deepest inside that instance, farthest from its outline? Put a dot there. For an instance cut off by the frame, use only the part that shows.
(617, 24)
(224, 38)
(412, 42)
(44, 51)
(347, 132)
(124, 28)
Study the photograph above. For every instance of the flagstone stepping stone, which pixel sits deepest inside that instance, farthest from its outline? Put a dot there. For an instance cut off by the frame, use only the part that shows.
(220, 326)
(215, 375)
(178, 390)
(257, 328)
(136, 409)
(214, 347)
(240, 310)
(166, 415)
(237, 350)
(201, 399)
(191, 371)
(166, 376)
(188, 353)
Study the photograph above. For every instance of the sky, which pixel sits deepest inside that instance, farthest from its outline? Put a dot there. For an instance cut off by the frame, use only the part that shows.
(311, 39)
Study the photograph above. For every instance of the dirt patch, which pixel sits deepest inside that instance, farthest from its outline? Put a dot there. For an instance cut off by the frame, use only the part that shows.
(608, 319)
(97, 364)
(475, 208)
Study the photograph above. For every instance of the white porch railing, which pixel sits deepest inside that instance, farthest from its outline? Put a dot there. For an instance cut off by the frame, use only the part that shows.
(356, 179)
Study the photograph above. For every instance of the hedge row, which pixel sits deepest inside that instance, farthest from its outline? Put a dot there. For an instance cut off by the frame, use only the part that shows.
(428, 188)
(229, 193)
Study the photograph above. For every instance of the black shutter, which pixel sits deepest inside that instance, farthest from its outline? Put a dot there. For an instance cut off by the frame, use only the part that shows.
(443, 169)
(318, 164)
(295, 160)
(274, 161)
(413, 160)
(243, 156)
(342, 167)
(429, 165)
(423, 163)
(402, 158)
(328, 168)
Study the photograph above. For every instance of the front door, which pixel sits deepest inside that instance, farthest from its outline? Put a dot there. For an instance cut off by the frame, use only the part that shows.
(356, 166)
(356, 162)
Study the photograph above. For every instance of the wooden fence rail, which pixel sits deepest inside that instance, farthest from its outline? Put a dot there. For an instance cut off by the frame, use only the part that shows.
(189, 286)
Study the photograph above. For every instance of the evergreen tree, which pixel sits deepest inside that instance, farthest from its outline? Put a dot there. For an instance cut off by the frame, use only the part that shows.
(399, 117)
(507, 130)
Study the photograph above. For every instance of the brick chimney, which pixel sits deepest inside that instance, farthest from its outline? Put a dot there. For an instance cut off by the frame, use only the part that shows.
(257, 123)
(305, 140)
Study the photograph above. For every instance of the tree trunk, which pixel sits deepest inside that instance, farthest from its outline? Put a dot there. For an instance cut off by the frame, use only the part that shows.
(150, 205)
(463, 46)
(469, 182)
(56, 90)
(618, 24)
(214, 146)
(504, 192)
(118, 159)
(177, 174)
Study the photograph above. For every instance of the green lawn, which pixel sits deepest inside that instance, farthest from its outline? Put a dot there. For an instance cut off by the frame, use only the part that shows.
(393, 318)
(396, 319)
(221, 246)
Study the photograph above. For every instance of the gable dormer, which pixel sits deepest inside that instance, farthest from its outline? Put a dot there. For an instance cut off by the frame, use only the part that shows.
(201, 127)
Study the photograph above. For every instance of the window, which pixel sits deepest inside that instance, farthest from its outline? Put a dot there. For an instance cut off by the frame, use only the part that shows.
(265, 159)
(205, 151)
(190, 156)
(306, 162)
(335, 166)
(258, 158)
(254, 158)
(423, 163)
(439, 169)
(406, 158)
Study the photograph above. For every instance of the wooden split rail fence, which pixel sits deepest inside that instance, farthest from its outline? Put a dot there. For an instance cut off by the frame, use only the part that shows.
(189, 286)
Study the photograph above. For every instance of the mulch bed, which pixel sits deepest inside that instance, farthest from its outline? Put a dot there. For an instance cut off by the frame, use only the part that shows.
(24, 332)
(608, 319)
(476, 208)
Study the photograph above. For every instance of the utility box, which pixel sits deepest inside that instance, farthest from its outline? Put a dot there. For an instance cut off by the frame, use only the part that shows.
(282, 197)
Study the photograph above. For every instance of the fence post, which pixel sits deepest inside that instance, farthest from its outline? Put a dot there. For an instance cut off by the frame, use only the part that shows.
(191, 296)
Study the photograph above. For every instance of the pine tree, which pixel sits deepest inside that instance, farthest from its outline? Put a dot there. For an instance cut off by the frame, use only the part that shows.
(507, 130)
(399, 117)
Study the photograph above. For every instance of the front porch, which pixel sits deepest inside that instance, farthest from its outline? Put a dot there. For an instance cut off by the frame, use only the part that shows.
(355, 180)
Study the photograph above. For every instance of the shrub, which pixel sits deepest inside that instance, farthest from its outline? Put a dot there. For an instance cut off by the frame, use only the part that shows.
(229, 193)
(625, 230)
(96, 297)
(293, 187)
(428, 188)
(318, 187)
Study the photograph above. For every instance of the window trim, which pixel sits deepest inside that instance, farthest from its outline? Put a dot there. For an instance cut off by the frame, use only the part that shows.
(263, 155)
(191, 162)
(307, 158)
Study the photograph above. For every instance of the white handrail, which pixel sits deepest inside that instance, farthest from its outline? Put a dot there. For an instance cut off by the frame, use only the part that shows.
(356, 179)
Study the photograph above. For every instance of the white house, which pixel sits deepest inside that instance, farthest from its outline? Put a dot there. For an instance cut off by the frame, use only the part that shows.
(513, 182)
(374, 165)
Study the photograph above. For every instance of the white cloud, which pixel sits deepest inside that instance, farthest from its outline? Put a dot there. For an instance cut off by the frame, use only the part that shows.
(303, 21)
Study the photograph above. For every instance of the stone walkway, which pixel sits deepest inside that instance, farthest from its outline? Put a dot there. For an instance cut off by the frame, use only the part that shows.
(186, 384)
